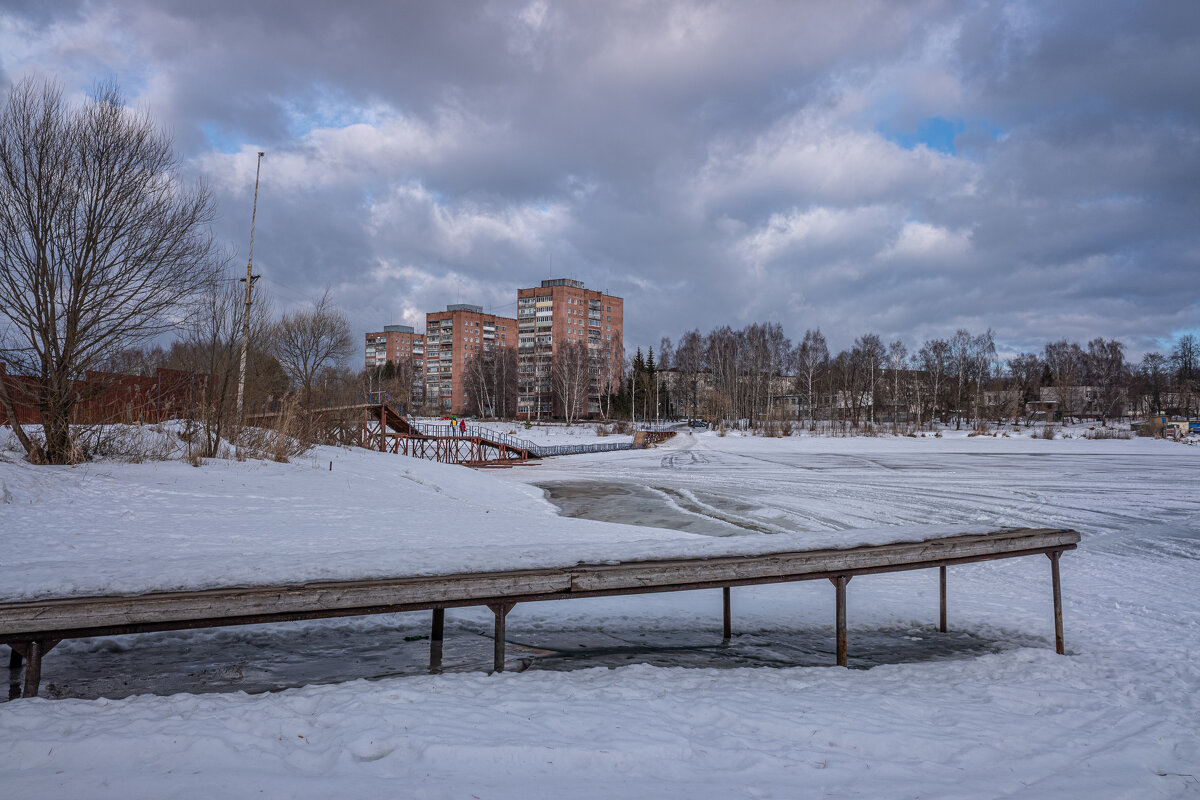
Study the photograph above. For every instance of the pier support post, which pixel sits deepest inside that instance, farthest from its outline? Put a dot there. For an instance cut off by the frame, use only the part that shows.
(501, 611)
(727, 629)
(14, 659)
(942, 622)
(436, 638)
(1059, 644)
(33, 652)
(839, 583)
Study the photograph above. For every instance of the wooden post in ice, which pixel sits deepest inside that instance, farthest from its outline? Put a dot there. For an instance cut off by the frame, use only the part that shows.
(1059, 644)
(839, 583)
(727, 629)
(942, 623)
(501, 611)
(436, 639)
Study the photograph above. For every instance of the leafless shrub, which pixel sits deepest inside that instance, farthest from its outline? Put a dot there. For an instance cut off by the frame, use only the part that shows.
(1108, 433)
(133, 443)
(282, 441)
(1048, 432)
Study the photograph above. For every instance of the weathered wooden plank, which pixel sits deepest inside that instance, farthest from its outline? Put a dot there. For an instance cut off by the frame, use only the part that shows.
(101, 612)
(717, 570)
(332, 597)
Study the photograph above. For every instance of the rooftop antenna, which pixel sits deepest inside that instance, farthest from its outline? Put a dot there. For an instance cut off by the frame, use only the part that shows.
(249, 281)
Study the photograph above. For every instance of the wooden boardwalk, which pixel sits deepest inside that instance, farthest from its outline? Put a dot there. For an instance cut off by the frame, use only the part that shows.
(33, 628)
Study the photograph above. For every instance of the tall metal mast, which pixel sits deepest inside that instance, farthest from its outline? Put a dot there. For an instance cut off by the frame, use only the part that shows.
(249, 281)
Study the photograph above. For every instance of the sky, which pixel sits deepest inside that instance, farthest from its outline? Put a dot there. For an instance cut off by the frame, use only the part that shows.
(905, 169)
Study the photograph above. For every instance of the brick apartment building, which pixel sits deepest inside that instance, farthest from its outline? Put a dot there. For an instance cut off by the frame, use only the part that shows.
(399, 344)
(395, 343)
(452, 337)
(563, 311)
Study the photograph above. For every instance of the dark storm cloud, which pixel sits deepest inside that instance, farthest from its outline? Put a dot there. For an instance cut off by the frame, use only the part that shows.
(712, 162)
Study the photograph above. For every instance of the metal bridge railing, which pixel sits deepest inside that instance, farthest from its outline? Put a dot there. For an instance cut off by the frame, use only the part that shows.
(508, 440)
(453, 431)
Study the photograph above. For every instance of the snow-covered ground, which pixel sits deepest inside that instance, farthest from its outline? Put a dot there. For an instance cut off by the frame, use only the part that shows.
(987, 710)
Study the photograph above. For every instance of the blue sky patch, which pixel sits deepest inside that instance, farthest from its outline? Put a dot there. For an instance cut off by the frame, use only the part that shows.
(944, 135)
(936, 133)
(221, 140)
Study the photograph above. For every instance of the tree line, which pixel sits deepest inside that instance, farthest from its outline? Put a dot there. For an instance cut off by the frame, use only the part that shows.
(756, 374)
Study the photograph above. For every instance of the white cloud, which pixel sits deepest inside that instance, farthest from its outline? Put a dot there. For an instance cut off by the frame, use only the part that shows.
(801, 234)
(809, 158)
(353, 154)
(932, 245)
(465, 230)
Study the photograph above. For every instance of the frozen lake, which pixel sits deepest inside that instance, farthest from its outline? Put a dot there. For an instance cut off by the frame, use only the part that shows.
(726, 486)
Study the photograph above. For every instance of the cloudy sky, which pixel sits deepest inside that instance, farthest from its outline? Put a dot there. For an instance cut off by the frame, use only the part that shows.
(899, 168)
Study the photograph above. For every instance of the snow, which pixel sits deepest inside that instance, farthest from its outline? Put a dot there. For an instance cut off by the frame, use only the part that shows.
(338, 514)
(987, 710)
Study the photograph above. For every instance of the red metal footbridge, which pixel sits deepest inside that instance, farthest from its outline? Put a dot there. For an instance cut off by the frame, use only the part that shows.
(387, 430)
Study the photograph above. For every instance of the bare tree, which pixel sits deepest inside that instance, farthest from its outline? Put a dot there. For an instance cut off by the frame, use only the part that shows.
(982, 355)
(1185, 358)
(610, 362)
(571, 380)
(309, 340)
(960, 358)
(1108, 372)
(812, 359)
(490, 382)
(869, 354)
(897, 354)
(1026, 372)
(1151, 380)
(1066, 363)
(666, 356)
(101, 244)
(935, 359)
(210, 345)
(689, 363)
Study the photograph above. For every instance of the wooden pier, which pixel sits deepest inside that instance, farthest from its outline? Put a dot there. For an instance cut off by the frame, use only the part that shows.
(33, 628)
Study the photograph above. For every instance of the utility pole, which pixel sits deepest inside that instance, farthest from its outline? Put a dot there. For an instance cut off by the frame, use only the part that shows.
(249, 281)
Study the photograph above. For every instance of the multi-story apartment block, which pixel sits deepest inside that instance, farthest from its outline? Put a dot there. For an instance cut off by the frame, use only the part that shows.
(452, 337)
(394, 343)
(399, 344)
(563, 311)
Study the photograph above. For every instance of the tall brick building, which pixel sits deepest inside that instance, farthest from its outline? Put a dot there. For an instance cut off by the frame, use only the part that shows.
(564, 311)
(451, 338)
(394, 343)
